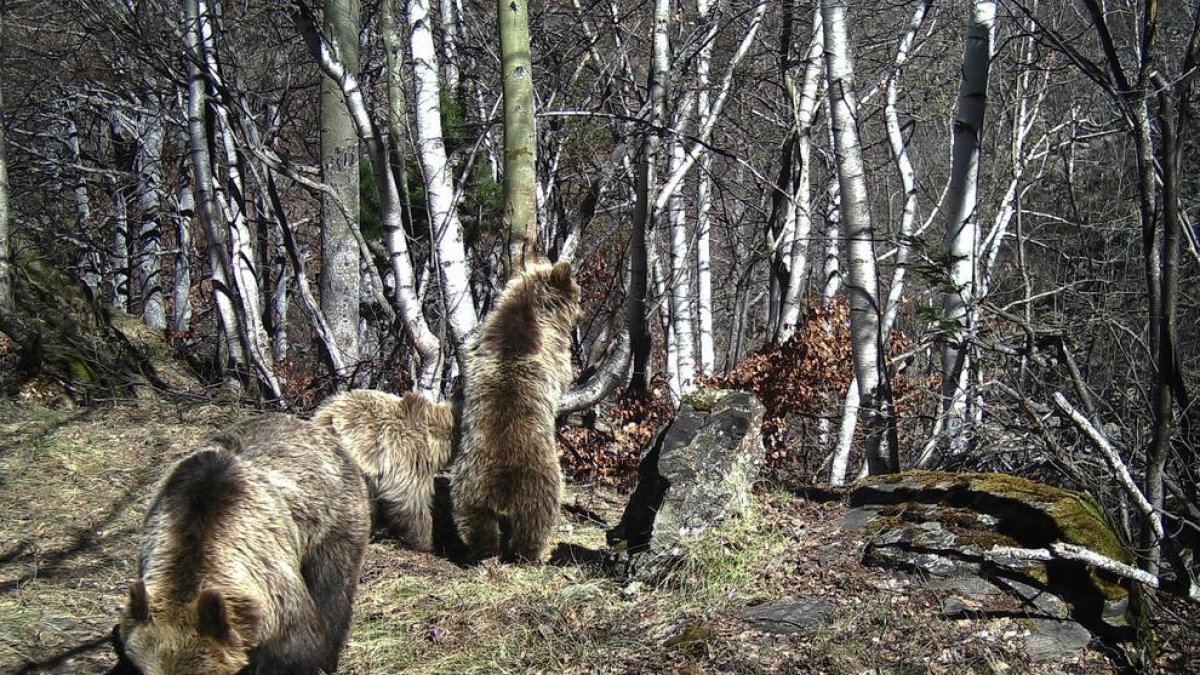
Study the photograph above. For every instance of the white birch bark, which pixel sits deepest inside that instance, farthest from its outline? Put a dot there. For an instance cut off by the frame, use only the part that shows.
(704, 310)
(241, 244)
(831, 270)
(801, 203)
(683, 364)
(841, 455)
(119, 256)
(185, 210)
(449, 16)
(863, 279)
(148, 170)
(962, 231)
(446, 229)
(206, 207)
(89, 263)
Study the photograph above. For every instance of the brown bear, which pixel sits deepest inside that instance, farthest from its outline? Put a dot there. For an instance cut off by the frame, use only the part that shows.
(400, 443)
(516, 370)
(250, 557)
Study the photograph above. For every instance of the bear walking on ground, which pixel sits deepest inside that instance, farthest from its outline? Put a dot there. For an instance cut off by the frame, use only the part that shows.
(250, 557)
(400, 443)
(515, 374)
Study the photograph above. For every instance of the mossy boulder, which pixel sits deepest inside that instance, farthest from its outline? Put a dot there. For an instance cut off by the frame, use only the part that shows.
(696, 474)
(946, 525)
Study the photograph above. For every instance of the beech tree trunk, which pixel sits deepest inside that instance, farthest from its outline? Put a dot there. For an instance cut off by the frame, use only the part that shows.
(339, 208)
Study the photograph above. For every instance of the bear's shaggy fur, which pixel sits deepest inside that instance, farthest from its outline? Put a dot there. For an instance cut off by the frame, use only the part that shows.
(250, 556)
(400, 443)
(515, 374)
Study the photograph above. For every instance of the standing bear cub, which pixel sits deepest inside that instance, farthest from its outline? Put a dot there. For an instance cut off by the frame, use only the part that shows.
(515, 374)
(250, 558)
(400, 443)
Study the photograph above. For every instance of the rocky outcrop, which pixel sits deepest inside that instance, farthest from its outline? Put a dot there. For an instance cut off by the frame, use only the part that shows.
(947, 527)
(696, 474)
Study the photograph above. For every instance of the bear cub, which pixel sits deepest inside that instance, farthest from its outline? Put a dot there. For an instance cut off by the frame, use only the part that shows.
(400, 443)
(516, 370)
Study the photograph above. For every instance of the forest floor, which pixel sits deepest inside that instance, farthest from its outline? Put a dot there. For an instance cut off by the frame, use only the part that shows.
(75, 481)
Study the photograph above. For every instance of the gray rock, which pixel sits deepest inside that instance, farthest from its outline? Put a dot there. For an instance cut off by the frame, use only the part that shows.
(697, 474)
(856, 520)
(791, 618)
(1052, 640)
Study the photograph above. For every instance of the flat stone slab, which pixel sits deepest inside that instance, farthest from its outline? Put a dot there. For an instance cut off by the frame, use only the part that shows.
(799, 617)
(1051, 640)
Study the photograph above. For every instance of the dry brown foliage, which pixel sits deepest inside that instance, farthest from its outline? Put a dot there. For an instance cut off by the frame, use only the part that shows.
(607, 453)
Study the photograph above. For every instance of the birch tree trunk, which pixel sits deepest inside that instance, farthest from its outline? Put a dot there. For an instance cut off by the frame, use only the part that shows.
(119, 257)
(680, 284)
(520, 139)
(233, 347)
(450, 16)
(704, 203)
(805, 108)
(89, 263)
(148, 169)
(841, 455)
(340, 277)
(643, 211)
(181, 306)
(863, 279)
(962, 231)
(447, 235)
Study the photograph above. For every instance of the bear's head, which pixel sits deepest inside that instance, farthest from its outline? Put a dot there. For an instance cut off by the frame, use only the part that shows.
(562, 294)
(211, 635)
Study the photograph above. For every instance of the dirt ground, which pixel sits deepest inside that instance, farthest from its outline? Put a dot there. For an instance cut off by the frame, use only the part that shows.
(74, 483)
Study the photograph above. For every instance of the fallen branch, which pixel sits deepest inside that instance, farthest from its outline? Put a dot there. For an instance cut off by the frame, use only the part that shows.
(1114, 462)
(1087, 556)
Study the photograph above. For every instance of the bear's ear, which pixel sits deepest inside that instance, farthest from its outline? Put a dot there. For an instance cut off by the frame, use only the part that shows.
(139, 602)
(227, 620)
(560, 276)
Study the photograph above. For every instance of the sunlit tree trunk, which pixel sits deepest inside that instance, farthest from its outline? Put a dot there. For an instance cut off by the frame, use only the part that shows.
(439, 186)
(841, 455)
(450, 16)
(805, 108)
(339, 208)
(683, 367)
(185, 210)
(856, 220)
(704, 310)
(89, 262)
(520, 140)
(206, 208)
(962, 222)
(119, 256)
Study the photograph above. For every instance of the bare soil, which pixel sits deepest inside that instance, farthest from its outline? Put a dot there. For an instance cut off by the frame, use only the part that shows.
(74, 483)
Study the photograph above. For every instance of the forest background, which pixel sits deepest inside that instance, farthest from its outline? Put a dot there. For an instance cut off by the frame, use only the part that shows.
(951, 235)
